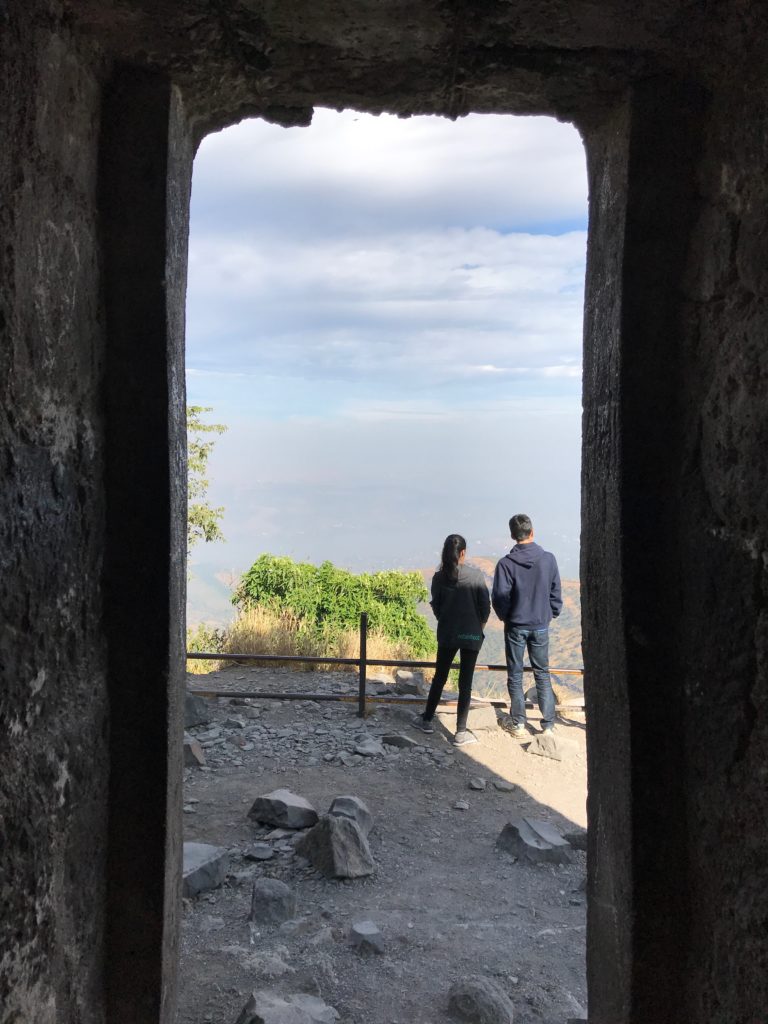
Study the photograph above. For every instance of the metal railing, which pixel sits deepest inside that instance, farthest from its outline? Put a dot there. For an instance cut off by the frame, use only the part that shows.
(362, 662)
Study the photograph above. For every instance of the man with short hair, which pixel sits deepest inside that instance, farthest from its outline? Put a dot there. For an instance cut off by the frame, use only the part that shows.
(526, 597)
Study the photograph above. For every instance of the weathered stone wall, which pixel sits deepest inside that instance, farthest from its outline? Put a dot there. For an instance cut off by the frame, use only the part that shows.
(53, 700)
(672, 105)
(722, 585)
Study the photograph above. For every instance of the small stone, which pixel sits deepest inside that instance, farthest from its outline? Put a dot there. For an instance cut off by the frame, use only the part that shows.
(409, 683)
(369, 748)
(477, 784)
(503, 786)
(299, 1008)
(234, 723)
(197, 711)
(272, 901)
(259, 851)
(553, 745)
(577, 838)
(398, 739)
(461, 805)
(193, 752)
(205, 868)
(283, 808)
(479, 1000)
(534, 841)
(366, 938)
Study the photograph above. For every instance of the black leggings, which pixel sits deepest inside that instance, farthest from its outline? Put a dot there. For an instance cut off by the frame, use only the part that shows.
(445, 656)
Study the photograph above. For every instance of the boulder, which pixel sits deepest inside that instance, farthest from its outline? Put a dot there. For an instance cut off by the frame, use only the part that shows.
(479, 1000)
(299, 1008)
(196, 711)
(356, 809)
(272, 901)
(337, 847)
(366, 938)
(283, 808)
(193, 752)
(534, 841)
(205, 867)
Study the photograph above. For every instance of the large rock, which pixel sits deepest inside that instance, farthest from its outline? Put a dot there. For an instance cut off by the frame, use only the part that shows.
(553, 745)
(283, 808)
(196, 711)
(337, 847)
(272, 901)
(300, 1008)
(354, 808)
(534, 841)
(479, 1000)
(205, 867)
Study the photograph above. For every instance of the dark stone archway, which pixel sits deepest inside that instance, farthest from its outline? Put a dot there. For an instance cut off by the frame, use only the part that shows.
(104, 103)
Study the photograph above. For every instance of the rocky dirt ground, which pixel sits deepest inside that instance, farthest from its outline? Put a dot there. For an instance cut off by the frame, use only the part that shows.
(448, 903)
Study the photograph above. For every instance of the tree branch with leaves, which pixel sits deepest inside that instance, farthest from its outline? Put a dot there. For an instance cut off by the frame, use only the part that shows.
(202, 518)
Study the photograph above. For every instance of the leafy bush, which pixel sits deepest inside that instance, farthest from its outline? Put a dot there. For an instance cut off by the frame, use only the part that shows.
(205, 638)
(327, 601)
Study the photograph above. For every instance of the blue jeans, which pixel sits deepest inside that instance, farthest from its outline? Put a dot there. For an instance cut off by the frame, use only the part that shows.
(516, 639)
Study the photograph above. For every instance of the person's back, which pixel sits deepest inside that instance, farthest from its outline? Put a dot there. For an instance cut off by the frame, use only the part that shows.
(461, 606)
(528, 590)
(526, 597)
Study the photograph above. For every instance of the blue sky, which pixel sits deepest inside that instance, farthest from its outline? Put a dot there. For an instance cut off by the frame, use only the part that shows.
(387, 315)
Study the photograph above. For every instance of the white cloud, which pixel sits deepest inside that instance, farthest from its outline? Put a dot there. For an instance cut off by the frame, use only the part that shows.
(387, 313)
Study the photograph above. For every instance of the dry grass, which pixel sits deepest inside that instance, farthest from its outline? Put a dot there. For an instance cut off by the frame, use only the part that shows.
(259, 631)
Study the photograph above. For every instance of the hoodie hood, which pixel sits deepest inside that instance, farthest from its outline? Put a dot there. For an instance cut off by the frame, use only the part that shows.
(525, 555)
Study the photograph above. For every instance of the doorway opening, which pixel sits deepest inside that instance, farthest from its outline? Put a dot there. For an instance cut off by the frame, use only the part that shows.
(386, 315)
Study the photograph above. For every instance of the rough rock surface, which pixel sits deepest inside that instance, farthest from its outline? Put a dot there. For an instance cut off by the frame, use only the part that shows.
(205, 867)
(338, 848)
(354, 808)
(366, 938)
(299, 1008)
(480, 1000)
(535, 841)
(553, 744)
(272, 901)
(284, 809)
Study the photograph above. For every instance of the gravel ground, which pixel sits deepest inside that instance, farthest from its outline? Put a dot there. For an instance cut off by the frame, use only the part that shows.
(448, 903)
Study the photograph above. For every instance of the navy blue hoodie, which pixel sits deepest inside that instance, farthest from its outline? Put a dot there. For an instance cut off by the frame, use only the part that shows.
(526, 587)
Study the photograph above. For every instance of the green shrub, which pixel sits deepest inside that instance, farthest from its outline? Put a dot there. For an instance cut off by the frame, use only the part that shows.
(205, 638)
(327, 601)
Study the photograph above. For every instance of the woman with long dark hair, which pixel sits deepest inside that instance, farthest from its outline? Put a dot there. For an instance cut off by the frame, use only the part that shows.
(461, 605)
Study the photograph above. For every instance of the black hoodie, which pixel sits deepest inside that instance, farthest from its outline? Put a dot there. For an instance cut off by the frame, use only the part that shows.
(461, 607)
(526, 587)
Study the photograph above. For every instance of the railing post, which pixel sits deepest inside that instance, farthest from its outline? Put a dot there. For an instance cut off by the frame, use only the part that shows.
(363, 664)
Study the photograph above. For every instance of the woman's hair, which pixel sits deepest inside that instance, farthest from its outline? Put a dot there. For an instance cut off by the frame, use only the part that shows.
(452, 548)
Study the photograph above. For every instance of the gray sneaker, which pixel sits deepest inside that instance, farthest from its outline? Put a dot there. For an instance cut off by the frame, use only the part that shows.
(463, 737)
(418, 722)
